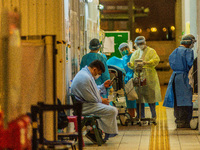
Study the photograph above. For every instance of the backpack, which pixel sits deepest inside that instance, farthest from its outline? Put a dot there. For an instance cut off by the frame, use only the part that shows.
(62, 118)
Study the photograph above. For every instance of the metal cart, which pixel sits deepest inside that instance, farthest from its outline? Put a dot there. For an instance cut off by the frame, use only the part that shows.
(137, 83)
(118, 75)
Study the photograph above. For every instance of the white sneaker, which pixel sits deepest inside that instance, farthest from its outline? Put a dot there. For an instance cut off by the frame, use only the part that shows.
(144, 122)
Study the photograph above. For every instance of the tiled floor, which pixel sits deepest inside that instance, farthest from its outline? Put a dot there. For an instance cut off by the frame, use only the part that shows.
(182, 139)
(130, 137)
(163, 136)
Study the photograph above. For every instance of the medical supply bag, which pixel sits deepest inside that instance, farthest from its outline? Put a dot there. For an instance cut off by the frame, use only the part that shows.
(130, 90)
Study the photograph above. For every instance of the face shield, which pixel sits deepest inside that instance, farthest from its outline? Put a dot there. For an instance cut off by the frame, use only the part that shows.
(192, 45)
(141, 46)
(188, 39)
(140, 42)
(193, 42)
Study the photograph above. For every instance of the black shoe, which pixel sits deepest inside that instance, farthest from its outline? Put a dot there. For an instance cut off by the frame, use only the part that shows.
(186, 125)
(183, 125)
(104, 141)
(179, 125)
(91, 137)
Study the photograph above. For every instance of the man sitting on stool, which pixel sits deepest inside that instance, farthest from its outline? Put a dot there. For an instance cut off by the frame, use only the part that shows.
(86, 90)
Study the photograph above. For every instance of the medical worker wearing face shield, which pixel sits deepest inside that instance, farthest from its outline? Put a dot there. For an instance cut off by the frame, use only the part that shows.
(125, 51)
(151, 92)
(94, 55)
(179, 91)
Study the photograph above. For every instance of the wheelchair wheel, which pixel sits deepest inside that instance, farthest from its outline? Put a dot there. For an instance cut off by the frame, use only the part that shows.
(124, 119)
(128, 115)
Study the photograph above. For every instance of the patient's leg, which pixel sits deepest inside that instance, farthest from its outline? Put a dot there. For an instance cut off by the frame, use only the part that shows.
(108, 114)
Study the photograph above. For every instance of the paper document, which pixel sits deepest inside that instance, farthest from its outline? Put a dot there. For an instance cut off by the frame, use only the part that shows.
(109, 45)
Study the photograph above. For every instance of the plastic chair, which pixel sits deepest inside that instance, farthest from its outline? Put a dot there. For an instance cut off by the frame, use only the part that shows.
(74, 120)
(63, 121)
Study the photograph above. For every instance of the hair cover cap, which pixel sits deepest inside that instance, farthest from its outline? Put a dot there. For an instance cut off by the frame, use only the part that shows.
(188, 39)
(140, 39)
(94, 44)
(122, 45)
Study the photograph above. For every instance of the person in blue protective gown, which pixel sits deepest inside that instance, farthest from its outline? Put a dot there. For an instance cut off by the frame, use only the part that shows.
(104, 55)
(179, 92)
(94, 55)
(125, 51)
(150, 93)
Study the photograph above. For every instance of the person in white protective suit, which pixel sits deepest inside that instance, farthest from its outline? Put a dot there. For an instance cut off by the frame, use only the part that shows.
(151, 92)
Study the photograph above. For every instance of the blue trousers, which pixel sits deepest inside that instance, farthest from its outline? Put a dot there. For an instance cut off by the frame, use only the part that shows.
(152, 109)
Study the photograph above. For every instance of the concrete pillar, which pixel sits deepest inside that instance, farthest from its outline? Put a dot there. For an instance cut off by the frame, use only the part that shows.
(49, 90)
(187, 14)
(131, 18)
(193, 22)
(198, 54)
(183, 15)
(178, 21)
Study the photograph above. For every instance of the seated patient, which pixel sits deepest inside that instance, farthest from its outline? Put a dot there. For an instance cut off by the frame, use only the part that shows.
(86, 90)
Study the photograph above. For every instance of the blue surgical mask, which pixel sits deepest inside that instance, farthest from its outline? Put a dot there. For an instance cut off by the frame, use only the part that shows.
(125, 52)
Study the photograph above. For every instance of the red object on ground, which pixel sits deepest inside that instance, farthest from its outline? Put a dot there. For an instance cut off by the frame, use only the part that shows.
(74, 120)
(1, 120)
(16, 137)
(28, 131)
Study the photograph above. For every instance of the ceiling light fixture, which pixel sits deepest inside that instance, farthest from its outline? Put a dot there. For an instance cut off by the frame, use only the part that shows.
(88, 1)
(100, 7)
(153, 29)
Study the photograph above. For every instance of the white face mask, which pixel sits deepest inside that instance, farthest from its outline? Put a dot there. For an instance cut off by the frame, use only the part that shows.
(192, 45)
(97, 76)
(141, 47)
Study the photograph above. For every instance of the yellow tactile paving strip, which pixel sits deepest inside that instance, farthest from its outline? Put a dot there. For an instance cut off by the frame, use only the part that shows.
(159, 139)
